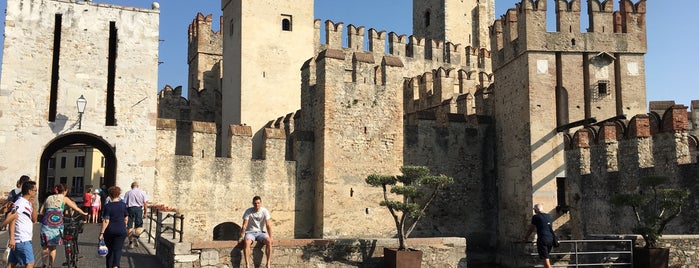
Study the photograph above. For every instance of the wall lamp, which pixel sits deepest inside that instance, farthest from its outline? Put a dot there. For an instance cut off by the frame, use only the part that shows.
(81, 109)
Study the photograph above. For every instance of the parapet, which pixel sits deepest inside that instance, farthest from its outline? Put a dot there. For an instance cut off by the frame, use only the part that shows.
(523, 28)
(418, 49)
(643, 142)
(198, 139)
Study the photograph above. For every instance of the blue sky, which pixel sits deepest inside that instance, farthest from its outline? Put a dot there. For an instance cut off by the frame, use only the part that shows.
(670, 69)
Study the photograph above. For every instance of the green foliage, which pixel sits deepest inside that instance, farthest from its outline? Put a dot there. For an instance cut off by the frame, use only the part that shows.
(654, 207)
(417, 187)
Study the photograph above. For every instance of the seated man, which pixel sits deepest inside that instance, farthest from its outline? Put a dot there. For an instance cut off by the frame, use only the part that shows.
(252, 229)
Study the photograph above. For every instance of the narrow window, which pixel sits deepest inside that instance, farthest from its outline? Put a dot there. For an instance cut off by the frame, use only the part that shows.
(52, 162)
(232, 24)
(63, 162)
(102, 162)
(602, 88)
(111, 74)
(63, 180)
(427, 18)
(561, 195)
(79, 161)
(58, 20)
(286, 22)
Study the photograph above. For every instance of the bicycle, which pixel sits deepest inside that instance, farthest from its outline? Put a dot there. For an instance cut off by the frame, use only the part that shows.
(72, 227)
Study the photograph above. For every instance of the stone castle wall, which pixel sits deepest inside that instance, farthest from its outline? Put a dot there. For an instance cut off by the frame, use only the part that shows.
(609, 159)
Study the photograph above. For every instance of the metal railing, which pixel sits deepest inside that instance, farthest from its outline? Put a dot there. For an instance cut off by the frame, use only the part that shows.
(161, 227)
(585, 253)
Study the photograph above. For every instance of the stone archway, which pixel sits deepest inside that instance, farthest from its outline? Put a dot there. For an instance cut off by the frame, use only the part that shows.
(62, 141)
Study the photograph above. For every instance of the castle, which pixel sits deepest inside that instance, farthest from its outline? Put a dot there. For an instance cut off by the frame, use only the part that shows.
(516, 114)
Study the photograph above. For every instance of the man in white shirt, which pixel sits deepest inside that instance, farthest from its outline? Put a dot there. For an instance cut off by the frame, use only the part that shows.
(20, 232)
(252, 229)
(136, 204)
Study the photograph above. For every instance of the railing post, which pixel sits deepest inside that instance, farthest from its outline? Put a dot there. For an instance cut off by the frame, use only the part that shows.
(158, 227)
(181, 227)
(150, 225)
(174, 226)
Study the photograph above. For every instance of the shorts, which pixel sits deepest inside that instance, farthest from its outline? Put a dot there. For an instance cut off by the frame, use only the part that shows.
(23, 254)
(543, 247)
(95, 210)
(256, 236)
(135, 217)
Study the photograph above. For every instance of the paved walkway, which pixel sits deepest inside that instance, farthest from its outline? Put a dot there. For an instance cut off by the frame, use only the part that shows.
(141, 256)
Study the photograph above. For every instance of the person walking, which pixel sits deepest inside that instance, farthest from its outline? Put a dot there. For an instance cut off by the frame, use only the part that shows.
(113, 231)
(20, 243)
(136, 203)
(96, 205)
(544, 233)
(252, 229)
(52, 223)
(87, 203)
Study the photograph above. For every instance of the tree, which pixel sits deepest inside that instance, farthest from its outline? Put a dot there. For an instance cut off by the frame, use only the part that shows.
(654, 206)
(418, 189)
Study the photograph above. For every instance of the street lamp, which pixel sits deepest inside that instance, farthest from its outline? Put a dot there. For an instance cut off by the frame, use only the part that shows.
(81, 109)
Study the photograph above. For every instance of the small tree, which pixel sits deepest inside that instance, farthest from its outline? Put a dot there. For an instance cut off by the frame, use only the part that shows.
(418, 189)
(653, 206)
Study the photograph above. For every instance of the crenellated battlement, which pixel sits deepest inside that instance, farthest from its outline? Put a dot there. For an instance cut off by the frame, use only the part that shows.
(203, 38)
(421, 50)
(198, 140)
(523, 28)
(645, 141)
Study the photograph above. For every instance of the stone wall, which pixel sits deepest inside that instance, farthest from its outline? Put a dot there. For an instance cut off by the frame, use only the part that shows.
(448, 252)
(79, 59)
(611, 159)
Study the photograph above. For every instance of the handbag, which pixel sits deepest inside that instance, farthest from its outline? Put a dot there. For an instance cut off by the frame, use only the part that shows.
(102, 249)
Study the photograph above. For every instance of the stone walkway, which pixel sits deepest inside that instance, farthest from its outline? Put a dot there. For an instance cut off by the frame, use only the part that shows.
(141, 256)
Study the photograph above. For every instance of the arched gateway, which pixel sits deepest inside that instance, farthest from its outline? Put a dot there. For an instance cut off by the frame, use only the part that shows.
(110, 160)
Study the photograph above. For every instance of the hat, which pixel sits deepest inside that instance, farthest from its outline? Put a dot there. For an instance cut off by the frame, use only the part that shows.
(97, 191)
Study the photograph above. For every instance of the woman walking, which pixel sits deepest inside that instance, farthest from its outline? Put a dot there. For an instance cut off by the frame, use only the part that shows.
(114, 218)
(52, 223)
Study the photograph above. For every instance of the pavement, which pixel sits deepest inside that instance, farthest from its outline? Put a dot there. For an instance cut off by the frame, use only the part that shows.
(141, 256)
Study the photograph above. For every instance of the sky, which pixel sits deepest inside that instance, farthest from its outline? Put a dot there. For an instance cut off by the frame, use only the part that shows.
(671, 73)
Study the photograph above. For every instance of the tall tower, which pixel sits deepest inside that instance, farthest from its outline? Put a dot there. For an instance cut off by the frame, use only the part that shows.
(464, 22)
(547, 80)
(261, 75)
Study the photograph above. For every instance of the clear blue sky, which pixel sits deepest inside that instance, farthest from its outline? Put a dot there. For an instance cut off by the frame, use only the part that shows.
(672, 36)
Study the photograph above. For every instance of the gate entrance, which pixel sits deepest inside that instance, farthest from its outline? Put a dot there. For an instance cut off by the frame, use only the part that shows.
(83, 139)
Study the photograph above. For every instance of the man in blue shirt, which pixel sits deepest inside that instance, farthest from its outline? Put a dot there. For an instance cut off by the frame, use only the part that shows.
(544, 233)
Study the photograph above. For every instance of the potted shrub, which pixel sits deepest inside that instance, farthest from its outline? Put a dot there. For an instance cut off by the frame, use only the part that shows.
(416, 188)
(654, 206)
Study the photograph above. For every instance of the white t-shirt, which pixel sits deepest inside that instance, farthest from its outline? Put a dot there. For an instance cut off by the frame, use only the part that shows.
(23, 226)
(256, 219)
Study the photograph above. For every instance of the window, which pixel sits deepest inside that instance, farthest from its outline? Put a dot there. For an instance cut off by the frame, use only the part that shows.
(79, 161)
(77, 185)
(603, 88)
(52, 162)
(63, 180)
(102, 162)
(286, 22)
(63, 162)
(427, 18)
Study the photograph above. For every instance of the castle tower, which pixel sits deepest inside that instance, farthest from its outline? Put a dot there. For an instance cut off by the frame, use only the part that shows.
(204, 58)
(546, 80)
(57, 52)
(456, 21)
(264, 47)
